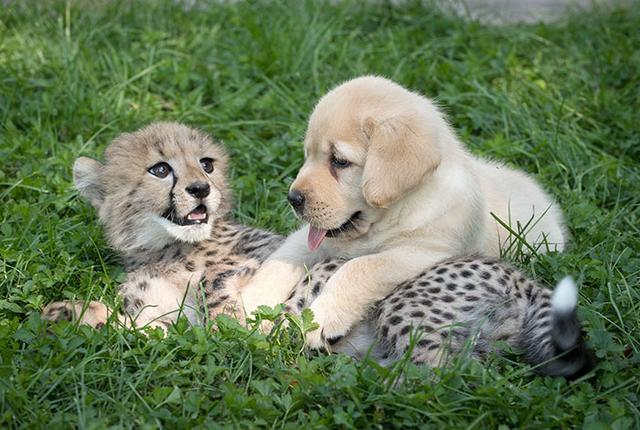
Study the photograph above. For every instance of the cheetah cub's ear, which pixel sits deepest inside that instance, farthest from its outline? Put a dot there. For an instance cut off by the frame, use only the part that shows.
(86, 176)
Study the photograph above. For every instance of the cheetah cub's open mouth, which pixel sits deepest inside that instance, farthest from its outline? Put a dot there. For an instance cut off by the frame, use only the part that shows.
(197, 216)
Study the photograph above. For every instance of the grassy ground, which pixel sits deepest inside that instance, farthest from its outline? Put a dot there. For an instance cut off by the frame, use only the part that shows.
(560, 101)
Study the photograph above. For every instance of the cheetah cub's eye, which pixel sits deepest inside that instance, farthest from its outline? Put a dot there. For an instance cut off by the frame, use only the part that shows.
(160, 170)
(207, 164)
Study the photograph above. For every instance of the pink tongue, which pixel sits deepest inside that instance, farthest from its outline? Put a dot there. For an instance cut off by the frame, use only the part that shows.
(197, 215)
(315, 237)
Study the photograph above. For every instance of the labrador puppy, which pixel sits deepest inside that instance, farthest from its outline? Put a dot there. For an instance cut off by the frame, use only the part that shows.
(387, 184)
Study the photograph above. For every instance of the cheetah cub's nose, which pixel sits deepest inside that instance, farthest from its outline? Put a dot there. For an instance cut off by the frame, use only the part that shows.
(199, 189)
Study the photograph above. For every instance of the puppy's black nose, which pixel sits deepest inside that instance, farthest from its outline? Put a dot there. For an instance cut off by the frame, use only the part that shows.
(296, 199)
(199, 189)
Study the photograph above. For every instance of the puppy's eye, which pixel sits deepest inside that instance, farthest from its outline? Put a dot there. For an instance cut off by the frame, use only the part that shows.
(161, 170)
(207, 164)
(339, 163)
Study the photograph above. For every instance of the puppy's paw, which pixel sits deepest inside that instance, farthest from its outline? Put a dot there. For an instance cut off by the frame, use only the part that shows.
(93, 314)
(315, 340)
(332, 327)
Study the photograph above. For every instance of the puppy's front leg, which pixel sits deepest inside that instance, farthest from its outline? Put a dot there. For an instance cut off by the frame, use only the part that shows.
(359, 285)
(280, 273)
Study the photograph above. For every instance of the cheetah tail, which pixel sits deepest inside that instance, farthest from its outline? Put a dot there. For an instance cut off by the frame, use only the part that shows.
(566, 354)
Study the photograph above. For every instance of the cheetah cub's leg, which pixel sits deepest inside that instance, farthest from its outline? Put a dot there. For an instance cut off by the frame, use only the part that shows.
(158, 301)
(94, 314)
(147, 302)
(222, 290)
(309, 287)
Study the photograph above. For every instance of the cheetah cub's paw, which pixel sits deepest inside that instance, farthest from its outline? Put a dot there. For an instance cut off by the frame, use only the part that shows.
(94, 314)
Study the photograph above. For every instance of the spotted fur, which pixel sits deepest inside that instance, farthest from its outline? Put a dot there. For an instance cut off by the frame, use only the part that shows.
(466, 303)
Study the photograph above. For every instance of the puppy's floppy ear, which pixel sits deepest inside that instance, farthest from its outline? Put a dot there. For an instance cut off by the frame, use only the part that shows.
(401, 152)
(86, 176)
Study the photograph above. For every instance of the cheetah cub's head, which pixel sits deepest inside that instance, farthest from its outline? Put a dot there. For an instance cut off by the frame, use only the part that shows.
(162, 183)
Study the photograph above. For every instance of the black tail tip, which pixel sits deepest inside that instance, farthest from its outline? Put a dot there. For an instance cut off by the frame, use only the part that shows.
(582, 361)
(573, 357)
(570, 362)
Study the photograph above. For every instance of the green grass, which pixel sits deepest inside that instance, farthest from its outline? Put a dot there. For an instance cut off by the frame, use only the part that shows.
(559, 101)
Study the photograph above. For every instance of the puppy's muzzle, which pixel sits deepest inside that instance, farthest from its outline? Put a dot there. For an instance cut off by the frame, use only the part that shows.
(296, 199)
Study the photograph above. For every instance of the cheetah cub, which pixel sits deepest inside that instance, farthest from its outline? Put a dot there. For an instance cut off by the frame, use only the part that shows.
(162, 197)
(465, 303)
